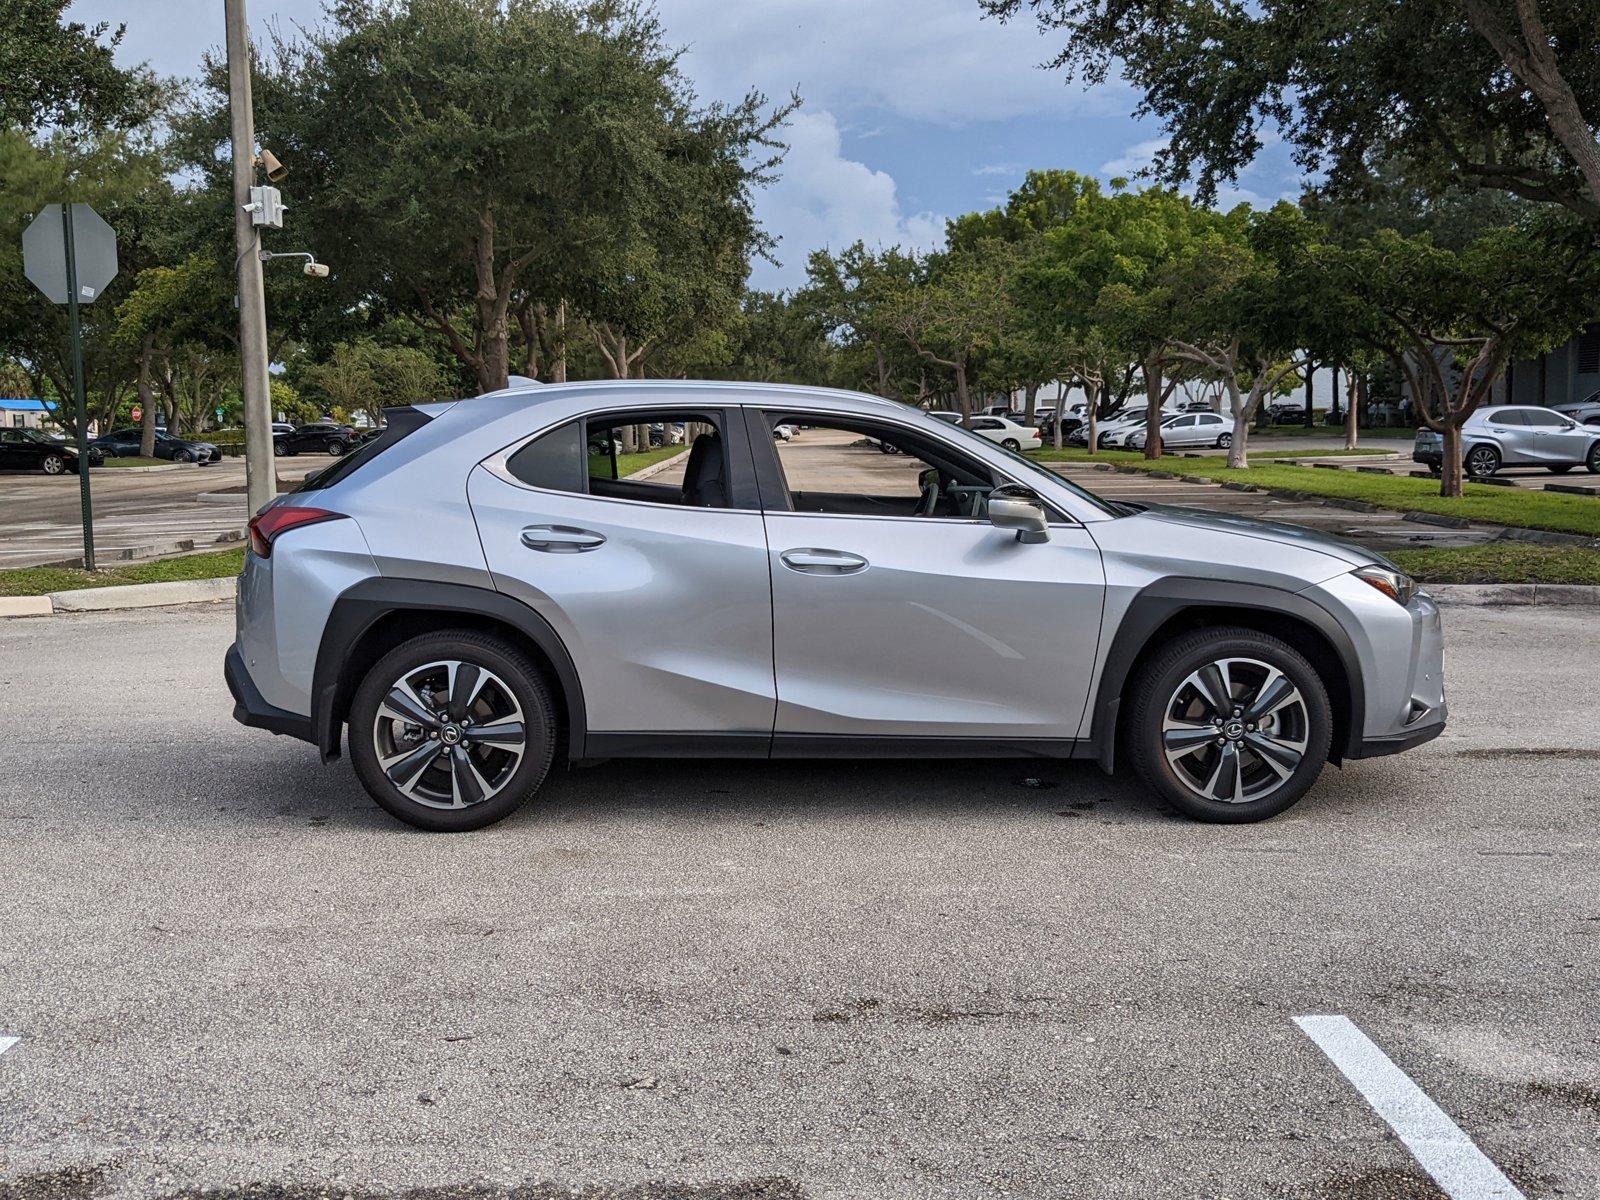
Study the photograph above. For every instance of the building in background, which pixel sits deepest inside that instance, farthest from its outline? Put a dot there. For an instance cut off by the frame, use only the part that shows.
(1569, 372)
(25, 414)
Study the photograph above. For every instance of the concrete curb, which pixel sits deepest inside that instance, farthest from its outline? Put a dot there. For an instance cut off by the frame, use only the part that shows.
(1565, 595)
(144, 595)
(140, 553)
(656, 468)
(145, 470)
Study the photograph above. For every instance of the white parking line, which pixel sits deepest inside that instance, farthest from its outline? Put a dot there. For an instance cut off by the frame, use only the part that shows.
(7, 1042)
(1435, 1141)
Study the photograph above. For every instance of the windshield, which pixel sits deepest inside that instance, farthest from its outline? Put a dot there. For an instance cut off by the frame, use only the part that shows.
(1028, 467)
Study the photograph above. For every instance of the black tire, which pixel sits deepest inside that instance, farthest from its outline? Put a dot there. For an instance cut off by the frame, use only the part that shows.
(1161, 684)
(1482, 462)
(1435, 470)
(527, 687)
(182, 456)
(1562, 469)
(1224, 441)
(281, 449)
(335, 448)
(1592, 462)
(53, 464)
(1012, 444)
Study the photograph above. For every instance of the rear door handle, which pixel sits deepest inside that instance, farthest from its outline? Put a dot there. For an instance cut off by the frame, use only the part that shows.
(822, 562)
(561, 539)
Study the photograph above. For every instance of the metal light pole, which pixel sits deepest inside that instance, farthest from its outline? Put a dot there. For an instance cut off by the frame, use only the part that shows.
(260, 481)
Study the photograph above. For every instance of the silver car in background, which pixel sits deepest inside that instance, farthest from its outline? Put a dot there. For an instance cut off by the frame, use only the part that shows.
(1515, 435)
(479, 593)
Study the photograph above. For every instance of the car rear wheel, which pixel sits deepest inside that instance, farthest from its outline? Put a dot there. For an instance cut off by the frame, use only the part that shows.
(335, 448)
(53, 464)
(1224, 441)
(1229, 725)
(1011, 444)
(280, 448)
(1482, 461)
(452, 731)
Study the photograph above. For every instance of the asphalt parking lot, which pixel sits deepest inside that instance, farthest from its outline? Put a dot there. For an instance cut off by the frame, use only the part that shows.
(226, 969)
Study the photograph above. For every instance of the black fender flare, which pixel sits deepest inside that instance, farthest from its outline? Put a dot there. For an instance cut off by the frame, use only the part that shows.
(1165, 599)
(364, 604)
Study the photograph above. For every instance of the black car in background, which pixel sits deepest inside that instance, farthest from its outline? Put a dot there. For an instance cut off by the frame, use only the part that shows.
(319, 437)
(124, 443)
(30, 450)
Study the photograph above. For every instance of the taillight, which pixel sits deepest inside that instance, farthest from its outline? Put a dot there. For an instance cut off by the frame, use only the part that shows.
(267, 525)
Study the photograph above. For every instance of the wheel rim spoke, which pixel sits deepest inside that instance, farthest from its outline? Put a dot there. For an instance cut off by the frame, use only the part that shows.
(1274, 694)
(1282, 756)
(508, 734)
(403, 704)
(1215, 686)
(466, 785)
(404, 770)
(1226, 782)
(466, 681)
(1182, 738)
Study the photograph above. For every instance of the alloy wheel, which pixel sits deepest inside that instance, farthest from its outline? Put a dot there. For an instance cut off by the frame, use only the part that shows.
(1482, 462)
(53, 464)
(449, 734)
(1235, 730)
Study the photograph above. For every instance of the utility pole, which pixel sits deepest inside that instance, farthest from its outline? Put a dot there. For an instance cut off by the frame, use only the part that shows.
(260, 480)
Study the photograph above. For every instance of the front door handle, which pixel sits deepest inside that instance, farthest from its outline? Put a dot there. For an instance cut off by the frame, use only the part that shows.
(822, 562)
(561, 539)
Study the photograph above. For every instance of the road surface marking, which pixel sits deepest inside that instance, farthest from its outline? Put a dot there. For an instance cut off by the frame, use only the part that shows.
(1435, 1141)
(7, 1042)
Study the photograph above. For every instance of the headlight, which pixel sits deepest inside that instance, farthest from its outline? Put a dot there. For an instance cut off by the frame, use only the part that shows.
(1398, 587)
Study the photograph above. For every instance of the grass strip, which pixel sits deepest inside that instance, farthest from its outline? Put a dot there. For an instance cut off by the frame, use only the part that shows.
(1519, 507)
(38, 581)
(1501, 563)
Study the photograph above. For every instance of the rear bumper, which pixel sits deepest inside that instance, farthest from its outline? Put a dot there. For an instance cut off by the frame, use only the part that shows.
(1430, 458)
(250, 708)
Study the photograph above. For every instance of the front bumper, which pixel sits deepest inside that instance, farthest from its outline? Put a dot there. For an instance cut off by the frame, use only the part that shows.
(251, 708)
(1396, 743)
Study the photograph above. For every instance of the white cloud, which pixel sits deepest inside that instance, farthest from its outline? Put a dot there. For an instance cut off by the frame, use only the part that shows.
(926, 60)
(824, 199)
(1134, 159)
(997, 169)
(1139, 156)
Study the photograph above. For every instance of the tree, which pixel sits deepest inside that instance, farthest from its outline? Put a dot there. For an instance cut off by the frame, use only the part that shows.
(1501, 94)
(458, 159)
(61, 74)
(1448, 322)
(853, 295)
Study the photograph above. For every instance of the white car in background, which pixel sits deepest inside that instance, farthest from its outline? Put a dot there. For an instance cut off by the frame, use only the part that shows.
(1190, 429)
(1006, 433)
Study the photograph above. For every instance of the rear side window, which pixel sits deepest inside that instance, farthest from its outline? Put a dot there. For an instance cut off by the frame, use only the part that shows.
(402, 422)
(555, 460)
(1539, 416)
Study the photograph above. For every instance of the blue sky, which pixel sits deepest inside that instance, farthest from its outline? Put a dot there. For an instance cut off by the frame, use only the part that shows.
(915, 110)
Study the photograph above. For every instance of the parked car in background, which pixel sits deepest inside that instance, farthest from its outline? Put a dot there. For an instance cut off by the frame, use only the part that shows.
(1188, 429)
(1115, 427)
(784, 432)
(30, 450)
(1514, 436)
(282, 427)
(1284, 412)
(318, 437)
(460, 613)
(1585, 411)
(1005, 432)
(124, 443)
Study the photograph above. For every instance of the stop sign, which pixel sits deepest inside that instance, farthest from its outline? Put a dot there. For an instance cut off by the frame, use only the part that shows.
(44, 253)
(137, 414)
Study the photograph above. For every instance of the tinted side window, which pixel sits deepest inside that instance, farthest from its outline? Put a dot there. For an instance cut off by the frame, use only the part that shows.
(1538, 416)
(555, 461)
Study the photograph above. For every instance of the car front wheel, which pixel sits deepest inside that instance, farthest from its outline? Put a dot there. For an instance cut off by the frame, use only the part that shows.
(1592, 463)
(53, 464)
(1224, 441)
(1229, 725)
(452, 731)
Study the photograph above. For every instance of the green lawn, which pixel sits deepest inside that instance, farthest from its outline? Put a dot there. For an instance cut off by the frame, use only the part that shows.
(1482, 502)
(1502, 563)
(37, 581)
(628, 464)
(135, 462)
(1320, 430)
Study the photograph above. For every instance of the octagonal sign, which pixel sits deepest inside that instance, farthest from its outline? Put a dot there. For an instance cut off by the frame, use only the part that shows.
(44, 253)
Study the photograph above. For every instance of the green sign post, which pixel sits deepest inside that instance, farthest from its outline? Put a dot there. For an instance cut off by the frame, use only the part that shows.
(70, 254)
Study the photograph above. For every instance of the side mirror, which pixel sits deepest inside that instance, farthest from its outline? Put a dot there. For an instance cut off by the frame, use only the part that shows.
(1015, 507)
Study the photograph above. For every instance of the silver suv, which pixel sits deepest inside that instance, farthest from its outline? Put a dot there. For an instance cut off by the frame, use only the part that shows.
(498, 583)
(1515, 435)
